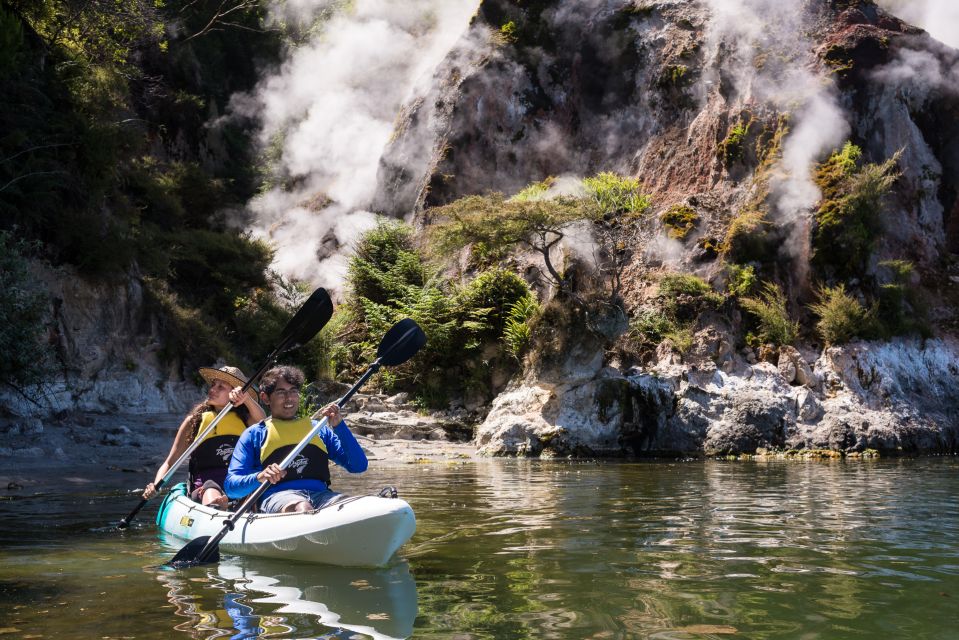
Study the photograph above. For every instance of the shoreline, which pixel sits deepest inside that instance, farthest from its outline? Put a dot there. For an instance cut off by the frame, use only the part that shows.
(138, 444)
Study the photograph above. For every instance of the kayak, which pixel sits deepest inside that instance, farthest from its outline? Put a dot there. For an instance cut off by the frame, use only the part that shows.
(351, 531)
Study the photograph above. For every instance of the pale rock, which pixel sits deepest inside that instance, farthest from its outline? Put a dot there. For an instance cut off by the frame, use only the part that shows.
(808, 408)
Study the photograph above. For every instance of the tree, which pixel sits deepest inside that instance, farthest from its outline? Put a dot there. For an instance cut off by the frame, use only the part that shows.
(493, 225)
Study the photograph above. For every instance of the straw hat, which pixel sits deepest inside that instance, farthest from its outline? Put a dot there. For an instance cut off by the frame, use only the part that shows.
(230, 375)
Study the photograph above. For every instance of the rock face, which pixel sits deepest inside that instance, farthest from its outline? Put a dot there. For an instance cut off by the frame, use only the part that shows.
(901, 396)
(106, 353)
(655, 90)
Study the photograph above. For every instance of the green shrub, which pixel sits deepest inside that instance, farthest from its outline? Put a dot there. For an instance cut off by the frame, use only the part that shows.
(518, 332)
(535, 191)
(460, 322)
(848, 220)
(685, 296)
(495, 292)
(841, 317)
(188, 333)
(769, 309)
(748, 238)
(23, 356)
(615, 194)
(901, 308)
(732, 148)
(741, 279)
(508, 32)
(680, 220)
(651, 326)
(385, 262)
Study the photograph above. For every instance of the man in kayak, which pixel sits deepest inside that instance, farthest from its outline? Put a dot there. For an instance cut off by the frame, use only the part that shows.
(305, 484)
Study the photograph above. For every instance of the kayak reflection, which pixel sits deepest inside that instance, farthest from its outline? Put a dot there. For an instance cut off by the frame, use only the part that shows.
(255, 597)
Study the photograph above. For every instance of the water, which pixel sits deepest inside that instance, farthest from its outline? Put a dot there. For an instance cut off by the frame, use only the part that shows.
(524, 549)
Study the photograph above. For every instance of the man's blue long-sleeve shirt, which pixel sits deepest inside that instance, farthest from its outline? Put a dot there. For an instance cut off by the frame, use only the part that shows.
(341, 447)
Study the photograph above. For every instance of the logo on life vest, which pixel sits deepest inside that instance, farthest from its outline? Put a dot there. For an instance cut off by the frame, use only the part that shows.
(299, 463)
(225, 452)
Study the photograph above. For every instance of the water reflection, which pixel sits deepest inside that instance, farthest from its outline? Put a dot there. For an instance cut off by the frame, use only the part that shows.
(254, 597)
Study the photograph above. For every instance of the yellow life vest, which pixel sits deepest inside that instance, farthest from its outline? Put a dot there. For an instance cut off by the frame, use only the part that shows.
(216, 448)
(282, 436)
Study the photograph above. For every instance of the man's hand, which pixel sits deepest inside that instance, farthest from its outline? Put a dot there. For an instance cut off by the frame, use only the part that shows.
(273, 473)
(332, 413)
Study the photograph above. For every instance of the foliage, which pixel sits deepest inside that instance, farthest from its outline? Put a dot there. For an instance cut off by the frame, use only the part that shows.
(99, 32)
(651, 326)
(748, 238)
(775, 325)
(105, 157)
(389, 280)
(685, 296)
(901, 309)
(508, 31)
(848, 219)
(385, 262)
(680, 220)
(535, 191)
(187, 331)
(732, 147)
(492, 226)
(741, 279)
(213, 268)
(498, 291)
(23, 356)
(841, 317)
(615, 194)
(518, 331)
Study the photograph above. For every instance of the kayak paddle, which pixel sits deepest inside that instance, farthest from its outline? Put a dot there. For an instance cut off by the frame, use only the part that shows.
(305, 323)
(399, 344)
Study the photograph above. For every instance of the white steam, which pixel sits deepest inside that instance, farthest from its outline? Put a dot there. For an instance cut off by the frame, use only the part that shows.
(328, 114)
(921, 72)
(939, 17)
(761, 45)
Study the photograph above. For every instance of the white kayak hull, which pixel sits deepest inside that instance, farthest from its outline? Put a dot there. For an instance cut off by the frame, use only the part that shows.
(357, 531)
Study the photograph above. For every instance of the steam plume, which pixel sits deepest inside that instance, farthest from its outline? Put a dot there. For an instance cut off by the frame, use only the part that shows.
(782, 77)
(328, 113)
(939, 17)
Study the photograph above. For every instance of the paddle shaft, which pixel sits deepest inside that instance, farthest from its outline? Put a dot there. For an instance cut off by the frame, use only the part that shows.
(289, 335)
(211, 545)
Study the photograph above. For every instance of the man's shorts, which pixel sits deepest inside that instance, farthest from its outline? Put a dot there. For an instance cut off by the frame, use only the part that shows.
(275, 502)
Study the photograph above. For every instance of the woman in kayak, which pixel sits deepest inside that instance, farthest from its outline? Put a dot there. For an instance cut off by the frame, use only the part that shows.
(209, 460)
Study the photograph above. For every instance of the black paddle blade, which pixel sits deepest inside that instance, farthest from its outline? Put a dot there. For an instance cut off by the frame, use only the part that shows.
(189, 555)
(400, 343)
(308, 320)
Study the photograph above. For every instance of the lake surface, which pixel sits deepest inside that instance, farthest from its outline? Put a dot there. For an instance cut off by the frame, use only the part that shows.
(524, 549)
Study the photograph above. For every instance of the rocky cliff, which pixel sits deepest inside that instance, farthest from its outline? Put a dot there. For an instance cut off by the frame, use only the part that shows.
(713, 105)
(104, 343)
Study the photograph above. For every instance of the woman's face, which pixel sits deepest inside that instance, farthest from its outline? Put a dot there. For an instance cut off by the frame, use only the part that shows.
(219, 393)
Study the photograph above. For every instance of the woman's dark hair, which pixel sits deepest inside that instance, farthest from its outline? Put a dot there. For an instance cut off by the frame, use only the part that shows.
(196, 416)
(293, 376)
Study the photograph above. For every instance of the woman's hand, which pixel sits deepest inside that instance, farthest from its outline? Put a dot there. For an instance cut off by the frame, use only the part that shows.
(238, 396)
(150, 491)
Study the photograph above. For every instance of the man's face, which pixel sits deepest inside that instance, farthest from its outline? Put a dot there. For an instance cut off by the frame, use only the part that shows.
(284, 400)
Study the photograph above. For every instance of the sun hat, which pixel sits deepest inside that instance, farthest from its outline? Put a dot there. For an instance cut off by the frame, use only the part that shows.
(230, 375)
